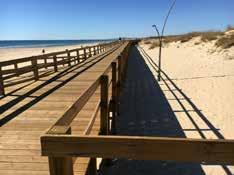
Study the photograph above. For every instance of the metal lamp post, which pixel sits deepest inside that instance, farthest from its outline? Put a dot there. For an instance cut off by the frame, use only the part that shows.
(160, 37)
(160, 51)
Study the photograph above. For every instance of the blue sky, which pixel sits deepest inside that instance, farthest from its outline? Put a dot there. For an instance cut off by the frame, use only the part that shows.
(89, 19)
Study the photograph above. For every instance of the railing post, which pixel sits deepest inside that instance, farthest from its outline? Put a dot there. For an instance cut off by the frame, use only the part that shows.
(90, 52)
(114, 98)
(63, 62)
(61, 165)
(45, 62)
(104, 130)
(104, 105)
(16, 69)
(2, 90)
(85, 54)
(55, 63)
(120, 70)
(119, 82)
(92, 169)
(99, 49)
(69, 57)
(78, 56)
(95, 51)
(35, 69)
(125, 60)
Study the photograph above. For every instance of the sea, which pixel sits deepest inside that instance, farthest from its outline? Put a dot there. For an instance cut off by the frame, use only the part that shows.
(45, 43)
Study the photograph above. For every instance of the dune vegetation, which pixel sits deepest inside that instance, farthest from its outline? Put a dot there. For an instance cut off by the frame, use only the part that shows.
(223, 39)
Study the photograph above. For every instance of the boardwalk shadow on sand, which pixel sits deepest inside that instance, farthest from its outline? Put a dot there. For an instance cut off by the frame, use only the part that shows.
(145, 111)
(181, 97)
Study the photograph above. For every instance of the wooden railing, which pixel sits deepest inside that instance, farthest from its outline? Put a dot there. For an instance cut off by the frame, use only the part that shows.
(110, 87)
(60, 146)
(10, 70)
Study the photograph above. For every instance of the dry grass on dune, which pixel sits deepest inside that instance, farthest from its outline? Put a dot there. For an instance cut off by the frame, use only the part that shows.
(147, 42)
(225, 42)
(154, 44)
(223, 39)
(205, 36)
(211, 35)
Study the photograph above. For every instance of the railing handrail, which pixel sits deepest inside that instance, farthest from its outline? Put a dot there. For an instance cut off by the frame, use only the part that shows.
(105, 104)
(63, 123)
(35, 63)
(26, 59)
(209, 151)
(61, 148)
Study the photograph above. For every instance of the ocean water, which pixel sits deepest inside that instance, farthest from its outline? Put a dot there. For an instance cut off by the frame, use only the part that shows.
(44, 43)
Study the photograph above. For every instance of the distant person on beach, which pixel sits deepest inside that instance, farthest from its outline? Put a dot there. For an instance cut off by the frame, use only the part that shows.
(43, 51)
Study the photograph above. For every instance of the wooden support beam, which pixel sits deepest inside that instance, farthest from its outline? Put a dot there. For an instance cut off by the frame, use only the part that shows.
(16, 69)
(99, 49)
(68, 57)
(104, 127)
(90, 52)
(114, 97)
(119, 82)
(92, 169)
(61, 165)
(78, 56)
(55, 63)
(94, 49)
(141, 148)
(45, 62)
(35, 69)
(119, 70)
(63, 62)
(2, 89)
(85, 53)
(125, 59)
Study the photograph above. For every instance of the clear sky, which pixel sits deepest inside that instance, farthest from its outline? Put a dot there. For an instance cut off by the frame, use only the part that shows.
(96, 19)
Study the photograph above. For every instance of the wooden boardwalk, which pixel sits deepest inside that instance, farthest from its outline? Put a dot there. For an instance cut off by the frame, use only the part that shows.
(152, 132)
(67, 114)
(31, 108)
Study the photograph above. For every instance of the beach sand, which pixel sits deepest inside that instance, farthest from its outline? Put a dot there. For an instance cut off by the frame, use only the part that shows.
(14, 53)
(205, 74)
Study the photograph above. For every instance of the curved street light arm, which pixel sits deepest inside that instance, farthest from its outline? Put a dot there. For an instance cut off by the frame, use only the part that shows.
(168, 14)
(156, 30)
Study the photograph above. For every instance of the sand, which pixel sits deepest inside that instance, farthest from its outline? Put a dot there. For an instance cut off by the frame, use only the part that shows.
(14, 53)
(205, 74)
